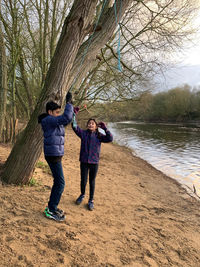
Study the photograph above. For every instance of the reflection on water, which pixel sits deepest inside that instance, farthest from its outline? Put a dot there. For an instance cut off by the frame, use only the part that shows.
(172, 148)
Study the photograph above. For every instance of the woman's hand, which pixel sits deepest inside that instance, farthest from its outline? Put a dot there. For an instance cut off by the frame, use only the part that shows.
(102, 125)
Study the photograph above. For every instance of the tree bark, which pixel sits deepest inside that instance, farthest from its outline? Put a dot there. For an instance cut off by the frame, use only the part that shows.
(3, 84)
(27, 149)
(100, 38)
(26, 86)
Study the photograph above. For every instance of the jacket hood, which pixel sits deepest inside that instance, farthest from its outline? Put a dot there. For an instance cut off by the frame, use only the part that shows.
(42, 116)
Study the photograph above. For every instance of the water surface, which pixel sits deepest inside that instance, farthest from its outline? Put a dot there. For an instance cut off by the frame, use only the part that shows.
(173, 149)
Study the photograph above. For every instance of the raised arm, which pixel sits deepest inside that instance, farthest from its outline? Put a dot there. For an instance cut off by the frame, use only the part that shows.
(78, 131)
(63, 119)
(105, 138)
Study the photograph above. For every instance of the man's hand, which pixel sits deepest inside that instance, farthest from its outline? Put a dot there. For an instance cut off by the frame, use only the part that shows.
(76, 110)
(69, 98)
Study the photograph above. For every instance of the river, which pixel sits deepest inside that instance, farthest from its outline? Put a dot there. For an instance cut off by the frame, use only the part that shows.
(173, 149)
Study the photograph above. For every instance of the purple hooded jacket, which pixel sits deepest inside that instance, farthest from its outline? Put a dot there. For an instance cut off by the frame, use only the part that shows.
(91, 143)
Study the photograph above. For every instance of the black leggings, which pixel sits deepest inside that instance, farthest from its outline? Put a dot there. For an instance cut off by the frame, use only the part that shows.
(92, 169)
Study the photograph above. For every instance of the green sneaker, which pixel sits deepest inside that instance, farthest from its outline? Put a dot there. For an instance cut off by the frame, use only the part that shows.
(57, 210)
(60, 211)
(54, 215)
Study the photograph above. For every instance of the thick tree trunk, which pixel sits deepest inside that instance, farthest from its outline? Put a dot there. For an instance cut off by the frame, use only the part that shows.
(26, 151)
(3, 84)
(100, 38)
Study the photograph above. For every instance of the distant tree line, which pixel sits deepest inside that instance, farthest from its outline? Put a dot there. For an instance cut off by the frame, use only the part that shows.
(176, 105)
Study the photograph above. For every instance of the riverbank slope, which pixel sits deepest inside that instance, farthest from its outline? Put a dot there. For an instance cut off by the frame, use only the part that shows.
(141, 217)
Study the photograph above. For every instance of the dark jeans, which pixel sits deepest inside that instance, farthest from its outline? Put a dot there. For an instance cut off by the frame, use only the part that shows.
(58, 184)
(92, 169)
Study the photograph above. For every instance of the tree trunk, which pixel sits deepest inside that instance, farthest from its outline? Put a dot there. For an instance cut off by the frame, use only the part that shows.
(3, 84)
(14, 112)
(26, 86)
(100, 38)
(27, 149)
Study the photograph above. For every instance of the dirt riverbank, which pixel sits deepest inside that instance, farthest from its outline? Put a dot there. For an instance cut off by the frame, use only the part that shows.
(141, 217)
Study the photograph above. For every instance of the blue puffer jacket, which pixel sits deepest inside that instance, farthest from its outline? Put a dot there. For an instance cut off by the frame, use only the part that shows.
(54, 131)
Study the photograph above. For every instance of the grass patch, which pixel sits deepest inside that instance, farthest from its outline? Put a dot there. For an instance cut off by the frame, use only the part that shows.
(44, 166)
(33, 182)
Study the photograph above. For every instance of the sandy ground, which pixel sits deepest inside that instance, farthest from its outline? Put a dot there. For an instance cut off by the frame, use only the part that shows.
(141, 217)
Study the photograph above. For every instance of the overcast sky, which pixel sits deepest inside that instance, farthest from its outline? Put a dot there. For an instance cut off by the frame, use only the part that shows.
(187, 70)
(191, 56)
